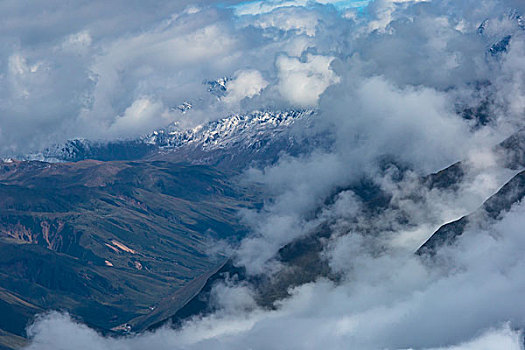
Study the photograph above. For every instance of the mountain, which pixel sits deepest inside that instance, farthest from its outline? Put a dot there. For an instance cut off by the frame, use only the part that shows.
(235, 141)
(108, 242)
(217, 87)
(511, 193)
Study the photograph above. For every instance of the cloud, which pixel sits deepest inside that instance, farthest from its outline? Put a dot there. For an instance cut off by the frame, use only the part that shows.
(301, 20)
(504, 338)
(246, 83)
(141, 115)
(73, 72)
(78, 42)
(302, 82)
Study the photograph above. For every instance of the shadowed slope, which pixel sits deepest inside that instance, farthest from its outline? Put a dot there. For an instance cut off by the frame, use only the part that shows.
(511, 193)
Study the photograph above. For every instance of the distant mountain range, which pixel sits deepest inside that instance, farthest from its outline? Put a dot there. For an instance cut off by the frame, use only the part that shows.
(234, 141)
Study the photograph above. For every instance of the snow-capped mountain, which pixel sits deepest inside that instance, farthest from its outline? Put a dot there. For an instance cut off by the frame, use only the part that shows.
(239, 136)
(225, 132)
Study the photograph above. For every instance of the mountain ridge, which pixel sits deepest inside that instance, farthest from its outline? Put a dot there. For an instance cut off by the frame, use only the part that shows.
(255, 132)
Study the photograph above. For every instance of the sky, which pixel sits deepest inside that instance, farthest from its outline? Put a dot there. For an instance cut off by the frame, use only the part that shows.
(260, 7)
(388, 80)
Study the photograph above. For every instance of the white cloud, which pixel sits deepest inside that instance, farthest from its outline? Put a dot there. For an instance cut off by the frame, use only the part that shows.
(495, 339)
(388, 300)
(246, 83)
(18, 65)
(78, 42)
(262, 7)
(301, 83)
(142, 115)
(300, 20)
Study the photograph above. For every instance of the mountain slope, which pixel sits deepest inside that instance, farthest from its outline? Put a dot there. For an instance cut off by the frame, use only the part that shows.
(107, 241)
(511, 193)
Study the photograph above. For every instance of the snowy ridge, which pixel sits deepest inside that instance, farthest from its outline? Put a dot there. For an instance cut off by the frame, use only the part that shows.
(231, 130)
(241, 131)
(67, 151)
